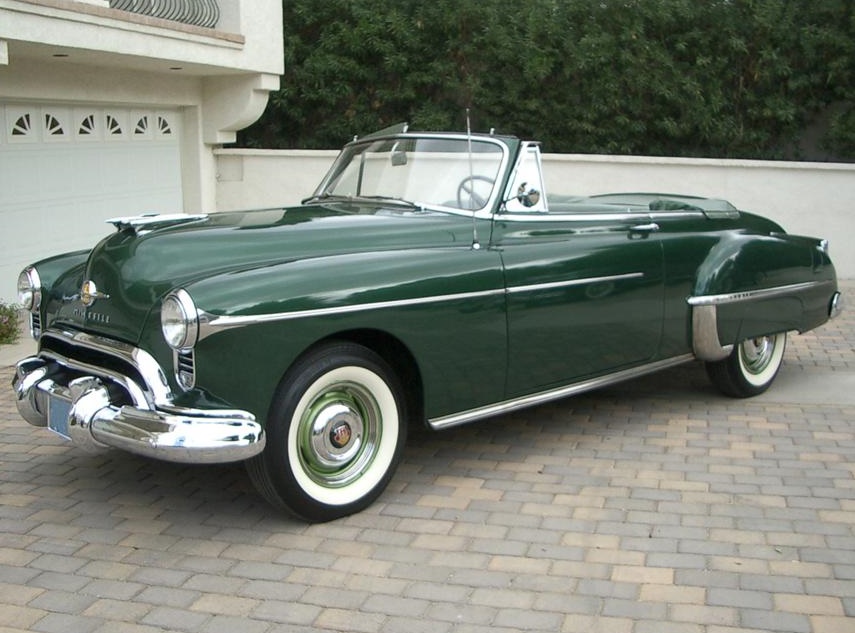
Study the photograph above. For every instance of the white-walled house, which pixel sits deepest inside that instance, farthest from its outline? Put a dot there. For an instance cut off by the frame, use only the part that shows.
(115, 107)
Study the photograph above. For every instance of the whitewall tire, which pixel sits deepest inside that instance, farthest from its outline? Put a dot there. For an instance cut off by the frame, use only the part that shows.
(335, 434)
(751, 367)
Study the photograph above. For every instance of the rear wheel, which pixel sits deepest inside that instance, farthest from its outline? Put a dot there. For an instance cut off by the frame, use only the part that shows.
(335, 434)
(751, 366)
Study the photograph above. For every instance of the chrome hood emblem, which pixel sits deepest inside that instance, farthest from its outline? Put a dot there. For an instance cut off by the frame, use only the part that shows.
(89, 293)
(142, 224)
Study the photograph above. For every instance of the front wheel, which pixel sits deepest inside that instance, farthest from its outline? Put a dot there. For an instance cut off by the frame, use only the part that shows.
(751, 366)
(335, 434)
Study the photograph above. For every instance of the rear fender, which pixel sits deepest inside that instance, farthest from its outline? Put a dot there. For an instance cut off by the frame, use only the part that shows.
(754, 285)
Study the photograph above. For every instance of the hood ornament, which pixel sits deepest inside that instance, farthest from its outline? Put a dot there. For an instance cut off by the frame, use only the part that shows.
(141, 224)
(89, 293)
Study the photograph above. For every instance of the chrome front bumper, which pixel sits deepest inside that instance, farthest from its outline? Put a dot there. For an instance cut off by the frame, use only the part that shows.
(96, 411)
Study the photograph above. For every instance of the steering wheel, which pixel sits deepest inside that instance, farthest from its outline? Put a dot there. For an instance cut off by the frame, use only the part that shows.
(466, 189)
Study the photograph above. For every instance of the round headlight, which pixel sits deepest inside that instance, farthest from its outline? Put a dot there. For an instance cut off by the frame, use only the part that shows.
(29, 289)
(179, 320)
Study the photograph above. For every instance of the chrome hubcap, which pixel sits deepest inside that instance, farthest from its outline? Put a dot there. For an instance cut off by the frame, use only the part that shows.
(339, 435)
(757, 353)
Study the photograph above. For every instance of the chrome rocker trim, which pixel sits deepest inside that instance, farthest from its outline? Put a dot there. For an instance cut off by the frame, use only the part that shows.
(151, 426)
(456, 419)
(210, 323)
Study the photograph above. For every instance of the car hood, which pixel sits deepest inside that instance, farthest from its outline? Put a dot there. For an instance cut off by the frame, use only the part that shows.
(135, 267)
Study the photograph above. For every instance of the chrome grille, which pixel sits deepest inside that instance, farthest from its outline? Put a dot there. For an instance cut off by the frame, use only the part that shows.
(35, 325)
(185, 369)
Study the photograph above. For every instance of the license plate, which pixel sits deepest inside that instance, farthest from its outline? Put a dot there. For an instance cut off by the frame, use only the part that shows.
(58, 410)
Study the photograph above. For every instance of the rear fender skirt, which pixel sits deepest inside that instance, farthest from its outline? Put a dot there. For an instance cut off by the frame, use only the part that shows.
(705, 332)
(705, 341)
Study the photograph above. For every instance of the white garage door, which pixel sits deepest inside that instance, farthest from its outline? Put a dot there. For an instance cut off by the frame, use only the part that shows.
(66, 169)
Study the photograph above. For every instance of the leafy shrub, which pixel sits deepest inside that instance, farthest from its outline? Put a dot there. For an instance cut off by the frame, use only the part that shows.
(10, 323)
(720, 78)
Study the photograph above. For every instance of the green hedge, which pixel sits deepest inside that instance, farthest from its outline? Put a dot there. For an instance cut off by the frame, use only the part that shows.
(719, 78)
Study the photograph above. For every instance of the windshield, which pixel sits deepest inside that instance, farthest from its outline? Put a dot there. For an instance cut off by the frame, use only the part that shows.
(424, 171)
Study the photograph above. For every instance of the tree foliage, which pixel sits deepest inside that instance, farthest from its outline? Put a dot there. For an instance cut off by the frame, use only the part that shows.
(722, 78)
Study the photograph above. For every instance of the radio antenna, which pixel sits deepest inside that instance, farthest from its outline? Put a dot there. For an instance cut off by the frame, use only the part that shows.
(476, 245)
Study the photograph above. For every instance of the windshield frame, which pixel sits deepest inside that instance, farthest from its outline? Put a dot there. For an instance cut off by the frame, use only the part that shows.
(347, 154)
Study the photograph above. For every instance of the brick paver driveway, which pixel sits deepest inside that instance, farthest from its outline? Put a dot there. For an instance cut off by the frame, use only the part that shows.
(657, 506)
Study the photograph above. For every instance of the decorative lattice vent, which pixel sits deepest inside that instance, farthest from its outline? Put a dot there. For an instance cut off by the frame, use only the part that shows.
(35, 124)
(197, 12)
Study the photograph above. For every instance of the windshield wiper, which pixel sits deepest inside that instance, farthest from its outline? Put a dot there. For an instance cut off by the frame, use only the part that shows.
(326, 197)
(391, 199)
(330, 197)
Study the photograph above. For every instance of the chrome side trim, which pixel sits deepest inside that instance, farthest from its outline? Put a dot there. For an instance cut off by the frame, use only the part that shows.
(456, 419)
(573, 282)
(672, 215)
(750, 295)
(211, 323)
(623, 214)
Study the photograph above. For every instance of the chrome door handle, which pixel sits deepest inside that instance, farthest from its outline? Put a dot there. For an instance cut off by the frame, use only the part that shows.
(645, 228)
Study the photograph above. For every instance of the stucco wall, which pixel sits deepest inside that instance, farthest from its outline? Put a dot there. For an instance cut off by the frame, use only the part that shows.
(70, 57)
(807, 198)
(73, 53)
(247, 39)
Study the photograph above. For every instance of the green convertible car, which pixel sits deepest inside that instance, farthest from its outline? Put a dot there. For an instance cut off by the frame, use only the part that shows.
(429, 278)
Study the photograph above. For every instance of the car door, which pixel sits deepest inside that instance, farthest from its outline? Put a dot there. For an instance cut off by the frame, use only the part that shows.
(584, 291)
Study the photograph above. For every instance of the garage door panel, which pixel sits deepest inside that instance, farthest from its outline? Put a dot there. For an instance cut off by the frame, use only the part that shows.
(65, 170)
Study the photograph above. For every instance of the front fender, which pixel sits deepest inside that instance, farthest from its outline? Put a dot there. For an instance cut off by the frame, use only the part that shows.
(446, 306)
(61, 277)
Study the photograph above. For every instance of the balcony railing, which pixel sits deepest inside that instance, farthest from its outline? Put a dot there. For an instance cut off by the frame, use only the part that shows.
(205, 13)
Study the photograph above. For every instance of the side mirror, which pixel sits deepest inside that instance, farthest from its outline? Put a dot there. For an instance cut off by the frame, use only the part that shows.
(527, 198)
(399, 156)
